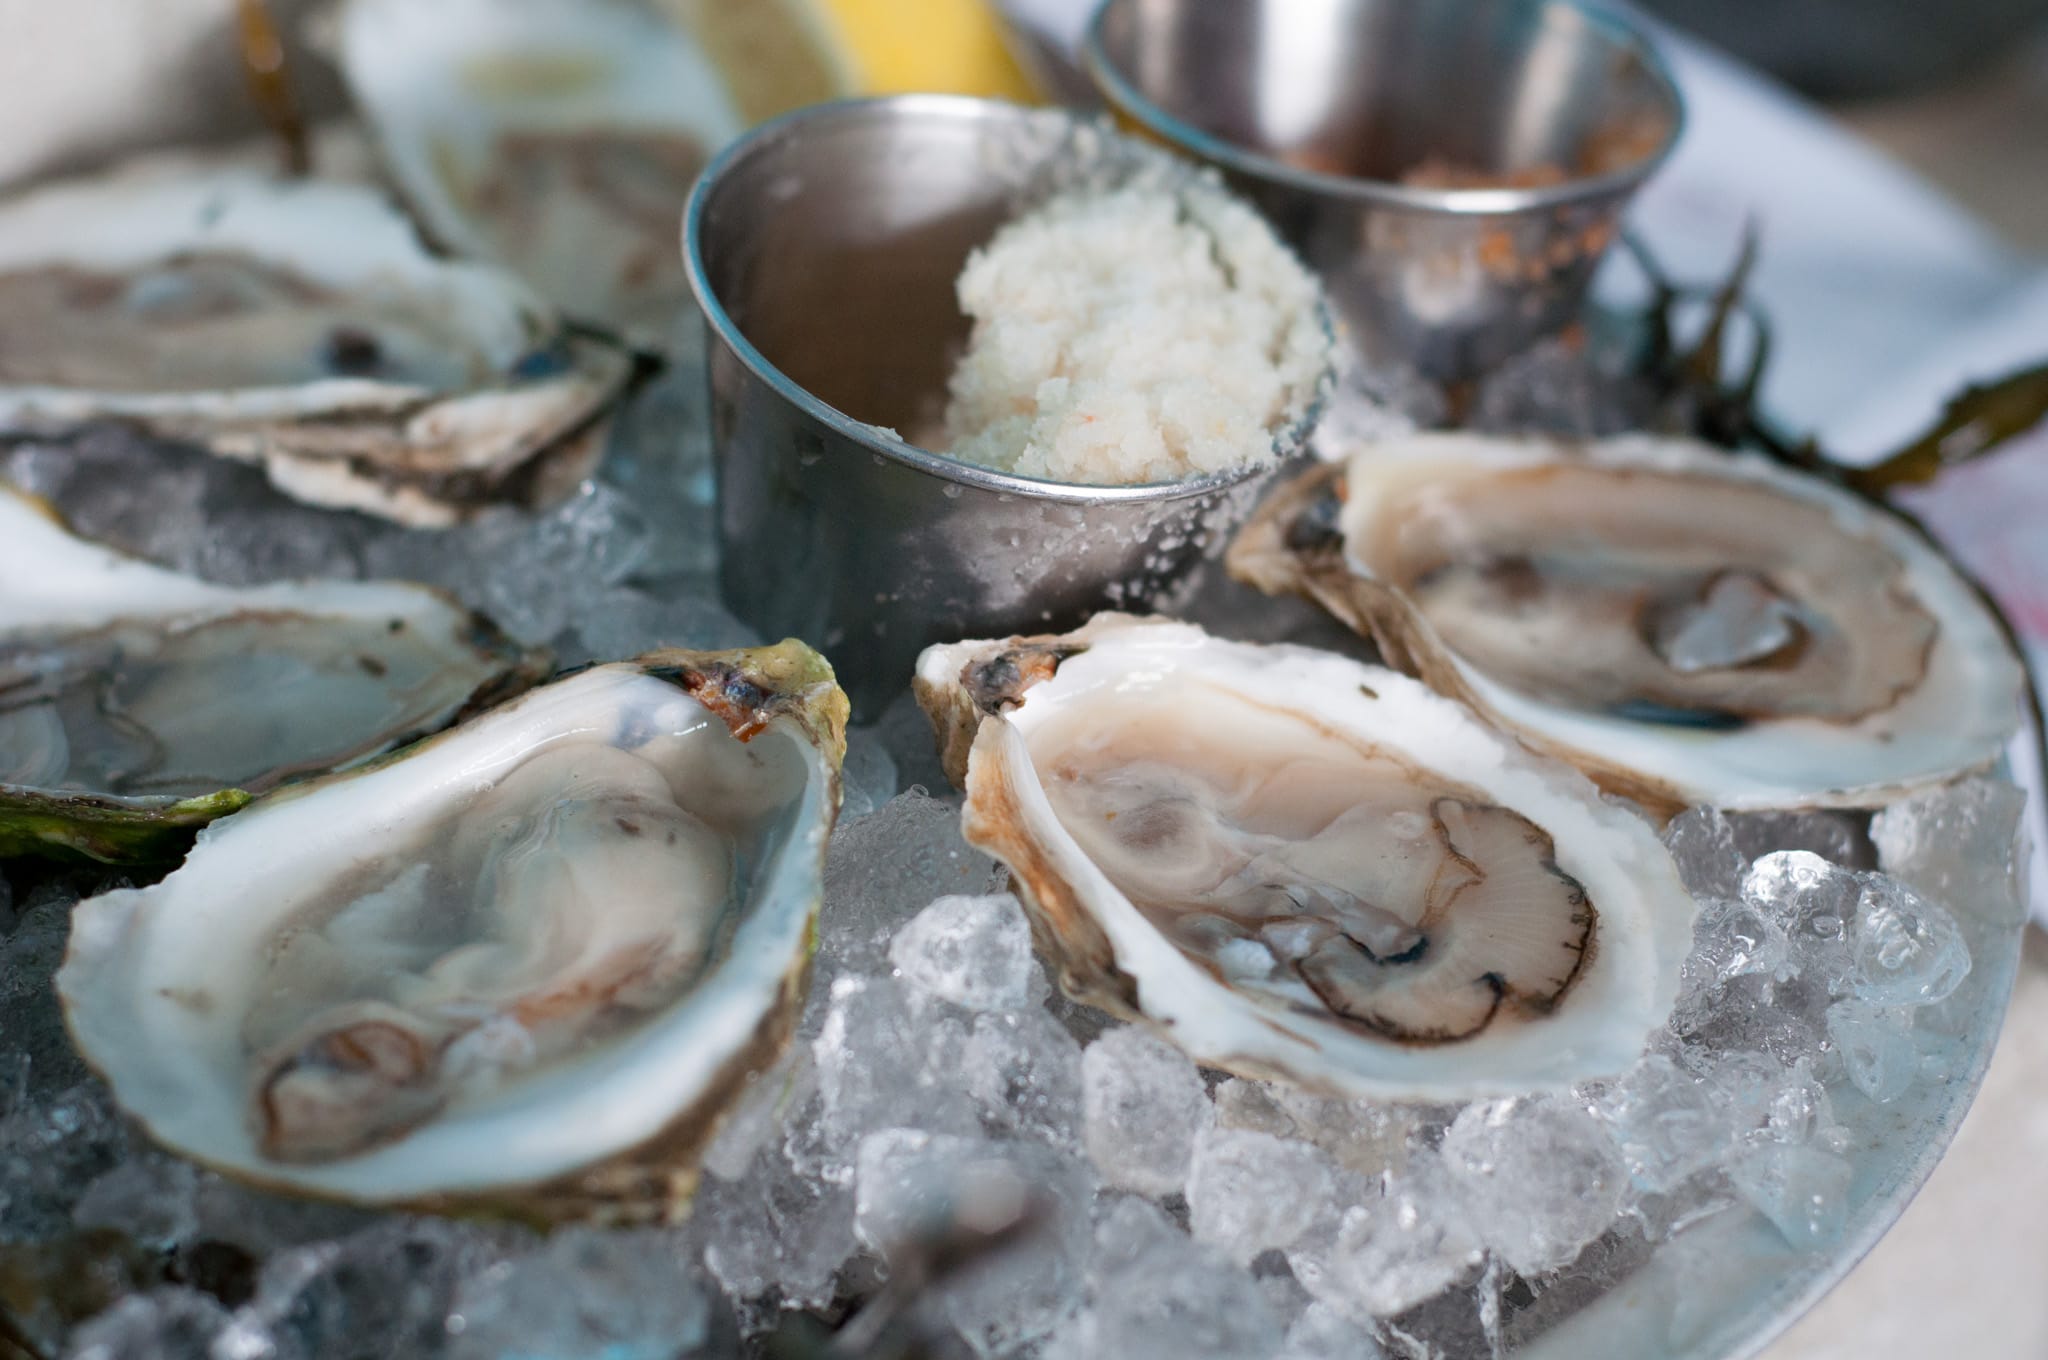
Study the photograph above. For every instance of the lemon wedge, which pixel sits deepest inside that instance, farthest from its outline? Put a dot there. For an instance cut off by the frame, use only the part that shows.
(778, 55)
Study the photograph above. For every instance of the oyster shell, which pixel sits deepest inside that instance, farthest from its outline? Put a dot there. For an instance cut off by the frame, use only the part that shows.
(137, 704)
(524, 965)
(558, 138)
(1686, 625)
(1306, 868)
(296, 324)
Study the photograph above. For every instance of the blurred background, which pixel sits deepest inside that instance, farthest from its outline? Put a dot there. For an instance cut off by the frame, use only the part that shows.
(1957, 90)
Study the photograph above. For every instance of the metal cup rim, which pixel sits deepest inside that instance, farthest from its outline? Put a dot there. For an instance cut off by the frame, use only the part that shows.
(958, 108)
(1127, 99)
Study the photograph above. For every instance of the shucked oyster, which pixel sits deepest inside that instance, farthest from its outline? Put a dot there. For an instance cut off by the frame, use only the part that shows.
(137, 704)
(1686, 625)
(558, 138)
(523, 965)
(297, 324)
(1307, 868)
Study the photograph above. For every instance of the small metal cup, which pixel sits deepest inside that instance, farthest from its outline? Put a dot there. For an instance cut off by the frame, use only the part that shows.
(1331, 116)
(823, 250)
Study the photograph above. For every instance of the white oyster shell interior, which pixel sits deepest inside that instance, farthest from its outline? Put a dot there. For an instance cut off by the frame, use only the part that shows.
(169, 280)
(528, 946)
(1709, 626)
(301, 324)
(119, 678)
(556, 137)
(1321, 870)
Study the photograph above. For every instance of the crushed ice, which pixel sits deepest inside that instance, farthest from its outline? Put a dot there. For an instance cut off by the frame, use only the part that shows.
(942, 1092)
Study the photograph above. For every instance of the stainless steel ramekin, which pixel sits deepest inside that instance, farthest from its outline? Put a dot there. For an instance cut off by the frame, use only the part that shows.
(1454, 169)
(823, 250)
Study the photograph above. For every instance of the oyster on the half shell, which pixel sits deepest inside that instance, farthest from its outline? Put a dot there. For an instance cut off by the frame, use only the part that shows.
(1306, 868)
(137, 704)
(1688, 626)
(557, 138)
(296, 324)
(524, 966)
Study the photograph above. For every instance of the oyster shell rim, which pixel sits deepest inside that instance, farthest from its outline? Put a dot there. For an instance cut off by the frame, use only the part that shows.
(319, 440)
(1266, 556)
(1010, 818)
(146, 829)
(409, 162)
(653, 1179)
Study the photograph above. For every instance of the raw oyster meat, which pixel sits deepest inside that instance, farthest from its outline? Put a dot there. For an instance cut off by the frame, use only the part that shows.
(1306, 868)
(558, 138)
(1688, 626)
(300, 325)
(137, 704)
(524, 965)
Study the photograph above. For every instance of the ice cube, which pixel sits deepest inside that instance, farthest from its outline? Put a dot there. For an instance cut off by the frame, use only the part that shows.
(904, 1185)
(1155, 1295)
(1322, 1333)
(1738, 940)
(1959, 846)
(1784, 1020)
(1024, 1072)
(1814, 902)
(1396, 1248)
(1703, 844)
(384, 1291)
(907, 733)
(586, 1293)
(1539, 1175)
(1242, 1103)
(972, 951)
(1365, 1136)
(598, 534)
(1798, 887)
(887, 867)
(1906, 951)
(255, 546)
(1668, 1125)
(50, 1152)
(1464, 1321)
(257, 1223)
(1284, 1296)
(756, 1118)
(164, 1324)
(1251, 1192)
(31, 1021)
(1877, 1047)
(1770, 1103)
(152, 1198)
(1659, 1218)
(1837, 837)
(1738, 949)
(1143, 1103)
(918, 1193)
(1804, 1191)
(116, 485)
(660, 461)
(868, 776)
(780, 1232)
(622, 622)
(881, 1055)
(14, 1074)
